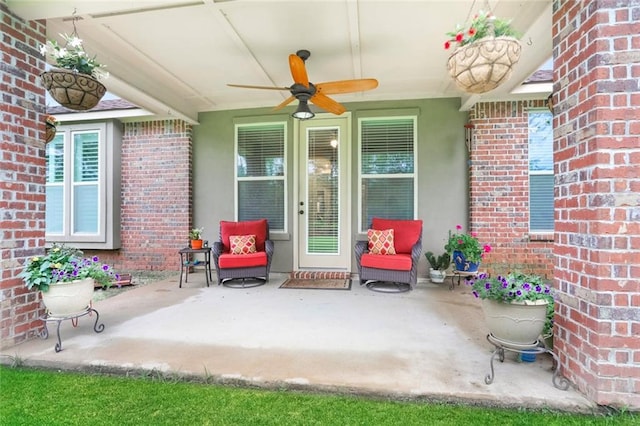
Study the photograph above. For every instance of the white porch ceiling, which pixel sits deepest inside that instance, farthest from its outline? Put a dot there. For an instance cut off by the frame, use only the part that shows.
(175, 57)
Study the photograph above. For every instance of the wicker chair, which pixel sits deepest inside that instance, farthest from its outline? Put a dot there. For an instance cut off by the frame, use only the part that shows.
(243, 265)
(391, 272)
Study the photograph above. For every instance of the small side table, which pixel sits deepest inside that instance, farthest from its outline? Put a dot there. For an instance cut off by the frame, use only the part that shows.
(461, 274)
(186, 262)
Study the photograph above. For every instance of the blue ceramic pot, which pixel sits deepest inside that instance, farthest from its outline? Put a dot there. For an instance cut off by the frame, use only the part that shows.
(462, 264)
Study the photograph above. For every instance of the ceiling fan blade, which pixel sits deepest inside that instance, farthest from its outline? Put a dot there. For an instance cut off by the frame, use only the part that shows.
(347, 86)
(247, 86)
(298, 70)
(284, 103)
(327, 104)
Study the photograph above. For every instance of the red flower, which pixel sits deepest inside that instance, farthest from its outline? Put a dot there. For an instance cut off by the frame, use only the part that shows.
(487, 248)
(458, 227)
(447, 44)
(459, 37)
(472, 31)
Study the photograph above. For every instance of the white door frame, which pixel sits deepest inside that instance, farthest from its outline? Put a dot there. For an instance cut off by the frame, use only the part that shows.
(344, 262)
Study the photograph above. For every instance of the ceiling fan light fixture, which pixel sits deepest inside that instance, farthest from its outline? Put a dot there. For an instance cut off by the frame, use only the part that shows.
(303, 112)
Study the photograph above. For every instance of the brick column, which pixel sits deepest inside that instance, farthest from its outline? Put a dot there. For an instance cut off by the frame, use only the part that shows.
(596, 49)
(22, 172)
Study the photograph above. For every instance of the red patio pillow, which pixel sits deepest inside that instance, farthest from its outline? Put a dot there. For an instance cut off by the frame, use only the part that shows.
(380, 241)
(242, 244)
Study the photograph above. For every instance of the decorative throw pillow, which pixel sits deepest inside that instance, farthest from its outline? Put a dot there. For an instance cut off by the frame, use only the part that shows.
(381, 241)
(242, 244)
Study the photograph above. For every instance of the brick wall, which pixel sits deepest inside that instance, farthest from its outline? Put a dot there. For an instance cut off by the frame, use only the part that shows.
(499, 189)
(22, 172)
(156, 196)
(597, 167)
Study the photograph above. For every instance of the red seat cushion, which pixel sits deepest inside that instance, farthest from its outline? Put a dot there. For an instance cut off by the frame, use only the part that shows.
(248, 227)
(405, 232)
(396, 262)
(229, 261)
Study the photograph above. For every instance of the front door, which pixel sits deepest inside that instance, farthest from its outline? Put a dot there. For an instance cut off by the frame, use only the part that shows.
(322, 201)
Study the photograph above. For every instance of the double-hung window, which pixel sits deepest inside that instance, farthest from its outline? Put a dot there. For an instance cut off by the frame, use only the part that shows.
(387, 163)
(260, 173)
(540, 171)
(83, 186)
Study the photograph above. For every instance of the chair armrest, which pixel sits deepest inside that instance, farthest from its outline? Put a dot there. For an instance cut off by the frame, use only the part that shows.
(360, 248)
(268, 247)
(217, 249)
(416, 250)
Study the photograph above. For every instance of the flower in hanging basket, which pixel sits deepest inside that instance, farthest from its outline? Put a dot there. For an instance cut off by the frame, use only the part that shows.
(466, 243)
(487, 51)
(51, 121)
(484, 24)
(73, 57)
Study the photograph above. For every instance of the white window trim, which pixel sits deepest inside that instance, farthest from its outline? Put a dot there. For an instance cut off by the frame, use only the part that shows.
(362, 227)
(109, 185)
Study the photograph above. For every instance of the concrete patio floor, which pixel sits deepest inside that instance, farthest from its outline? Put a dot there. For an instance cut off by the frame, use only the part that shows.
(428, 344)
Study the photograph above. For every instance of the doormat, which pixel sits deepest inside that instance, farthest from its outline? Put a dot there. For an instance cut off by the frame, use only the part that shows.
(321, 284)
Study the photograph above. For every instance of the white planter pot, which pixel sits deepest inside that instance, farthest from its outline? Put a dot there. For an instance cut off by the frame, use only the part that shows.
(68, 299)
(515, 324)
(436, 276)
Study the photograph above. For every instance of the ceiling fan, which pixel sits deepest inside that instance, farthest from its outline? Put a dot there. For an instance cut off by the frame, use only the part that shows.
(304, 91)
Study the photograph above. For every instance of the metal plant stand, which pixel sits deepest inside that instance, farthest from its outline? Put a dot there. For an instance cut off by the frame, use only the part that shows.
(44, 334)
(537, 348)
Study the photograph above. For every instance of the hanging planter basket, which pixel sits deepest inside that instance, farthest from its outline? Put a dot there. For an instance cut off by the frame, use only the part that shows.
(50, 133)
(73, 90)
(485, 64)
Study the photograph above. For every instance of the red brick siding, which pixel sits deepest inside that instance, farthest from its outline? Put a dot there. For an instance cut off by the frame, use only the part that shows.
(156, 196)
(499, 188)
(22, 172)
(597, 128)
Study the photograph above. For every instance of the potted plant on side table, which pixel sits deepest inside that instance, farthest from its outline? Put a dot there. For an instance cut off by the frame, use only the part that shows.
(439, 265)
(66, 279)
(195, 235)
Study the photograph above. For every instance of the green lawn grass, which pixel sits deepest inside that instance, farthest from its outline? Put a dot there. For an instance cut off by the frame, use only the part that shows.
(46, 397)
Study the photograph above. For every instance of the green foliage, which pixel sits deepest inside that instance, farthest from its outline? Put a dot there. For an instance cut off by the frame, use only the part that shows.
(439, 263)
(468, 244)
(195, 233)
(72, 56)
(64, 398)
(484, 24)
(64, 264)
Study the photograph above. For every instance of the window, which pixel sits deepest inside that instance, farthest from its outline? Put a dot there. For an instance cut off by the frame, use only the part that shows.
(260, 173)
(83, 186)
(387, 169)
(540, 171)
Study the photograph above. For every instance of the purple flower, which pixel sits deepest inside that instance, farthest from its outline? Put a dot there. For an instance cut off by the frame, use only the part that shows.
(487, 285)
(519, 293)
(95, 258)
(526, 286)
(475, 293)
(538, 289)
(505, 284)
(105, 267)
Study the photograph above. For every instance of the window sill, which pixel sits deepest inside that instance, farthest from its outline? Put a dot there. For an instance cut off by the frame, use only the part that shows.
(541, 237)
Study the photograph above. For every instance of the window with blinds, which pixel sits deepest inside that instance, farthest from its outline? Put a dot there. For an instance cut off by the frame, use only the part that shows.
(83, 185)
(260, 173)
(387, 168)
(541, 179)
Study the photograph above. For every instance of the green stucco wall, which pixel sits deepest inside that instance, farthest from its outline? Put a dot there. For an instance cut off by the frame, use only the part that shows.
(441, 169)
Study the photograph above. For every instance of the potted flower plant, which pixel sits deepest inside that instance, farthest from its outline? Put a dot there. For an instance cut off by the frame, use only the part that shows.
(195, 235)
(439, 265)
(51, 124)
(75, 83)
(465, 250)
(66, 279)
(518, 307)
(487, 50)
